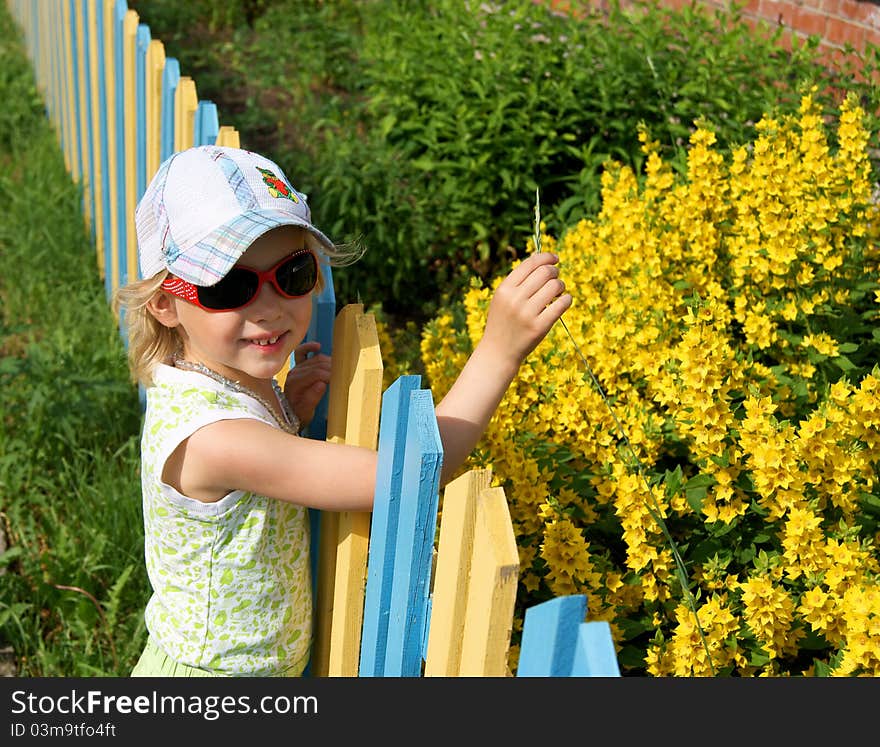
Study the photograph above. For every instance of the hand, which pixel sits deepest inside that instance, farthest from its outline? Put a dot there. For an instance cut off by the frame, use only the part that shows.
(525, 306)
(523, 309)
(307, 381)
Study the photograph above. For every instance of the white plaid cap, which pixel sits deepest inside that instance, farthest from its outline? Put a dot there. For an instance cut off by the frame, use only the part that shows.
(206, 205)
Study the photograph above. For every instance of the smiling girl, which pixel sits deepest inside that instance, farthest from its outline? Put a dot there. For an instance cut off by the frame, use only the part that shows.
(229, 260)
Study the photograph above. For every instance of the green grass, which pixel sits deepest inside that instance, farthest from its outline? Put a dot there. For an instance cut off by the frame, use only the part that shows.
(296, 78)
(73, 584)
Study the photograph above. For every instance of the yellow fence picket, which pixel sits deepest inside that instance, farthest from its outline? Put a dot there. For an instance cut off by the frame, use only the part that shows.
(475, 582)
(492, 589)
(352, 418)
(228, 136)
(155, 67)
(186, 101)
(451, 572)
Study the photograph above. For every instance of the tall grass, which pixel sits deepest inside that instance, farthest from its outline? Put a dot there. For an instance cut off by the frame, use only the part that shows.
(73, 585)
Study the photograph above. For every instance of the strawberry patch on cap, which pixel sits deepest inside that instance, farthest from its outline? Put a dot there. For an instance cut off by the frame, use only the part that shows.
(277, 187)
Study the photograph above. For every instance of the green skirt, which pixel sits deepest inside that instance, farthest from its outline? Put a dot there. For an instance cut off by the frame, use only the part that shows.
(154, 662)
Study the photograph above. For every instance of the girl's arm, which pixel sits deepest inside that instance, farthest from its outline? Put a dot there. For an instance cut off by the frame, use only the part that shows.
(251, 455)
(523, 309)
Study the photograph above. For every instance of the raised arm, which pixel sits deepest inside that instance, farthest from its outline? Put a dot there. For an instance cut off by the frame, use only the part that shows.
(251, 455)
(525, 306)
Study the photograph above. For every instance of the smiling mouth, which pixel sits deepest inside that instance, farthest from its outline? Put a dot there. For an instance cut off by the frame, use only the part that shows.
(267, 341)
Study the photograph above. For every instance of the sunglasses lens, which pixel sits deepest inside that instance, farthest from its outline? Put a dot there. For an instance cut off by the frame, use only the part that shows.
(298, 275)
(234, 290)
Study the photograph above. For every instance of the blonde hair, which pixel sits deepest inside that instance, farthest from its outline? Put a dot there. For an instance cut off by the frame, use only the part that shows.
(151, 343)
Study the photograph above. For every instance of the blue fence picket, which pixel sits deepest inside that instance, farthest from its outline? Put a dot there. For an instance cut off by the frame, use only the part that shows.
(170, 81)
(383, 527)
(88, 135)
(595, 654)
(120, 10)
(76, 55)
(207, 124)
(549, 638)
(556, 642)
(142, 43)
(321, 330)
(104, 157)
(417, 524)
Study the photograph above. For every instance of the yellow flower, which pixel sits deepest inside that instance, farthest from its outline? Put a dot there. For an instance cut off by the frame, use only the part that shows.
(822, 343)
(704, 308)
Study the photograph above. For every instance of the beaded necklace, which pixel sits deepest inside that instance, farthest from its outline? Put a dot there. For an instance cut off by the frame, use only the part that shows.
(290, 423)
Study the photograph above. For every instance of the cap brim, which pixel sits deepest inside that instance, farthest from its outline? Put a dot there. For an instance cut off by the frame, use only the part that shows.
(208, 261)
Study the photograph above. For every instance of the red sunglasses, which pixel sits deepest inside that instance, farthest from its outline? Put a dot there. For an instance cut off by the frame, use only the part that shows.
(292, 277)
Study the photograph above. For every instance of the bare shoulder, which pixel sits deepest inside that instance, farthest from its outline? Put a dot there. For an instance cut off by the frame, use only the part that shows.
(217, 457)
(250, 455)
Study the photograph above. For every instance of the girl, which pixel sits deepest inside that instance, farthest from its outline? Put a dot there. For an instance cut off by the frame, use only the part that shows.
(229, 258)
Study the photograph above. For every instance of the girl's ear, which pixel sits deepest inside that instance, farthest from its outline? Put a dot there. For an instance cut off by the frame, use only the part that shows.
(163, 307)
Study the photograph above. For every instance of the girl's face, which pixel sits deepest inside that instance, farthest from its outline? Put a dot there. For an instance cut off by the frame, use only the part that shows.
(253, 343)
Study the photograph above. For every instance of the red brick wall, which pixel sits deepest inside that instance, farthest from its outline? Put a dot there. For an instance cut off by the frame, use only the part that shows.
(836, 22)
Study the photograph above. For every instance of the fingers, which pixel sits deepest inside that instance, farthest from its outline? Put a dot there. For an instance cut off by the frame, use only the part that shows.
(525, 268)
(542, 284)
(302, 351)
(555, 309)
(531, 286)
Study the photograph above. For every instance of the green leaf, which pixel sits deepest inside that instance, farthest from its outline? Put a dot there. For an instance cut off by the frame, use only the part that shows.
(758, 658)
(11, 554)
(13, 612)
(387, 124)
(695, 490)
(844, 363)
(425, 164)
(870, 503)
(672, 481)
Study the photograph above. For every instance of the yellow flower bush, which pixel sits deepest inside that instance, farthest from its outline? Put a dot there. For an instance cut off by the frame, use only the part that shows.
(729, 316)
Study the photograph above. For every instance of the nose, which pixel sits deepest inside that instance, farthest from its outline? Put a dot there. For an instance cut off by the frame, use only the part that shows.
(267, 304)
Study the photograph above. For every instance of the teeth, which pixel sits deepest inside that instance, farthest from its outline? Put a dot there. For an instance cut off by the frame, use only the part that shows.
(270, 341)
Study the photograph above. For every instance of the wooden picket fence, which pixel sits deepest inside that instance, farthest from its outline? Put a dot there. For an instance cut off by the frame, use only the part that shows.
(391, 598)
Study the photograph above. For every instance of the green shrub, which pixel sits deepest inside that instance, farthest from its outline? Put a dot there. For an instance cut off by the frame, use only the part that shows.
(422, 128)
(697, 446)
(73, 582)
(468, 107)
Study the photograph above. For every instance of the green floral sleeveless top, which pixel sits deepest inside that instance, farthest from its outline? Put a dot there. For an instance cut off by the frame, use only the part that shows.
(231, 580)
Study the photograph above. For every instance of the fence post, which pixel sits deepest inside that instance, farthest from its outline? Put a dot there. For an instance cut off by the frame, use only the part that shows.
(170, 81)
(556, 642)
(549, 637)
(414, 538)
(384, 525)
(98, 166)
(475, 583)
(207, 123)
(155, 66)
(186, 101)
(353, 418)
